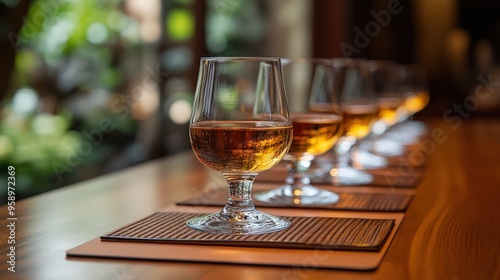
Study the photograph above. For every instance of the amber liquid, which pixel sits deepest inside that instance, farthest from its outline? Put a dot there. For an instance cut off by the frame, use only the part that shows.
(416, 101)
(242, 147)
(314, 134)
(358, 119)
(388, 109)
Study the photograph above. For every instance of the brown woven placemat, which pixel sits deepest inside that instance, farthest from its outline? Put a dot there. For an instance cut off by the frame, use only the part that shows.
(401, 177)
(387, 180)
(303, 233)
(381, 180)
(359, 201)
(414, 158)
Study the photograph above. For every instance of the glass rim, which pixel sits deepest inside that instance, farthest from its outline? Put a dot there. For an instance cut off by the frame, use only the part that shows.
(241, 58)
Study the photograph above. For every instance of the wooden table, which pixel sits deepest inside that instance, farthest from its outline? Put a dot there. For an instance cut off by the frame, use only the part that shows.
(451, 230)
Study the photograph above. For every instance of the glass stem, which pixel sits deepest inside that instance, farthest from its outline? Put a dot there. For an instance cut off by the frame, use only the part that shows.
(344, 147)
(298, 175)
(365, 143)
(379, 127)
(240, 194)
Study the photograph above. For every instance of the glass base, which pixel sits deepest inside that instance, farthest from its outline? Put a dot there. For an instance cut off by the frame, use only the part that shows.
(388, 148)
(416, 127)
(401, 137)
(238, 223)
(367, 160)
(306, 195)
(347, 176)
(407, 132)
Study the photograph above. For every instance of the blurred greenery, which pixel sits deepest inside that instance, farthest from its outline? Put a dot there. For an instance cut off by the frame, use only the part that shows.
(235, 27)
(180, 24)
(76, 68)
(31, 150)
(68, 62)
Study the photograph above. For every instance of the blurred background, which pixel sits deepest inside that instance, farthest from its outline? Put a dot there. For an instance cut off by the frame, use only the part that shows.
(90, 87)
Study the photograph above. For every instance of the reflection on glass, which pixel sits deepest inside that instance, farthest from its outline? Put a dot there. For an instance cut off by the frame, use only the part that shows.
(389, 100)
(240, 126)
(411, 82)
(359, 112)
(317, 125)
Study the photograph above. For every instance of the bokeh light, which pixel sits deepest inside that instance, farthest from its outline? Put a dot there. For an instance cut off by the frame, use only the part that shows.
(25, 101)
(180, 111)
(180, 24)
(178, 107)
(97, 33)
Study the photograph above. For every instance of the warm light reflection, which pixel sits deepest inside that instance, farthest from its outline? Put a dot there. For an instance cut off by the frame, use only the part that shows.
(146, 104)
(416, 102)
(297, 192)
(180, 111)
(148, 15)
(150, 31)
(334, 172)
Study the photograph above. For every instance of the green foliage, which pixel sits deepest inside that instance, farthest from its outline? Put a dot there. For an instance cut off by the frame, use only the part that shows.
(66, 49)
(31, 144)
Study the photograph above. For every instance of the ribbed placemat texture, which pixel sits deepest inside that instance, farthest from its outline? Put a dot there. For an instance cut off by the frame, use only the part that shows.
(387, 202)
(303, 233)
(379, 180)
(406, 161)
(411, 181)
(401, 177)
